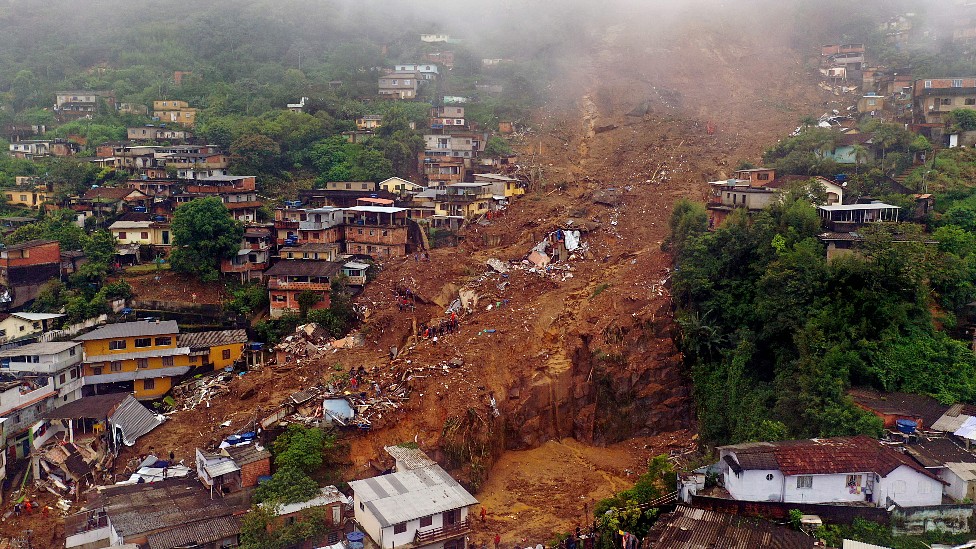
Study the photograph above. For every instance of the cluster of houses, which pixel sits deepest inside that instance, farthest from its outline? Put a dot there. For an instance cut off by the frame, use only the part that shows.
(924, 469)
(414, 503)
(311, 240)
(70, 402)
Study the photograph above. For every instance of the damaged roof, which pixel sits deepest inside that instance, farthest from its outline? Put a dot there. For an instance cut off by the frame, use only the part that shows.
(925, 408)
(134, 419)
(690, 528)
(246, 454)
(937, 452)
(91, 407)
(823, 456)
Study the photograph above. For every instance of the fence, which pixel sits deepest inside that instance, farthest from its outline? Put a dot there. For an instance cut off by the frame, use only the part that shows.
(69, 331)
(842, 514)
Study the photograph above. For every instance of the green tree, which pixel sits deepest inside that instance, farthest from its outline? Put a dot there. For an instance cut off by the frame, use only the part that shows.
(301, 447)
(203, 234)
(306, 300)
(255, 154)
(287, 485)
(497, 147)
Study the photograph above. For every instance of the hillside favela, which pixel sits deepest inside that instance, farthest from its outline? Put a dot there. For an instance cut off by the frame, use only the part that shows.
(405, 274)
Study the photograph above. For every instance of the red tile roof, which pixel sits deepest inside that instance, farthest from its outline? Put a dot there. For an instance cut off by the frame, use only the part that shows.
(825, 456)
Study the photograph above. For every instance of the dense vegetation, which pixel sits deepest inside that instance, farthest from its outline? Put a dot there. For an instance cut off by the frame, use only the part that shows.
(775, 334)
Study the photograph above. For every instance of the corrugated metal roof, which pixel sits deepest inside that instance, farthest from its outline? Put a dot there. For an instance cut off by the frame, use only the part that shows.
(408, 495)
(37, 316)
(212, 339)
(223, 466)
(937, 452)
(327, 495)
(965, 471)
(196, 533)
(409, 458)
(132, 329)
(42, 348)
(134, 420)
(304, 267)
(690, 528)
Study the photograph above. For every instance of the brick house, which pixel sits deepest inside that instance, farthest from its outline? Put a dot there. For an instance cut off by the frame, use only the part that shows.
(254, 461)
(288, 279)
(25, 268)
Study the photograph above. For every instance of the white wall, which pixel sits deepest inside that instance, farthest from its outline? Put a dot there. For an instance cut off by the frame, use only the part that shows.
(753, 485)
(825, 489)
(908, 488)
(366, 519)
(957, 488)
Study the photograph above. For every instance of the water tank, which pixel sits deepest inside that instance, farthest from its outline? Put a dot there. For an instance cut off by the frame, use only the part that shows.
(906, 426)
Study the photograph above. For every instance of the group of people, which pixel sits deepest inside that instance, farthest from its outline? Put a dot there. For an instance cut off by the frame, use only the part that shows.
(448, 325)
(28, 507)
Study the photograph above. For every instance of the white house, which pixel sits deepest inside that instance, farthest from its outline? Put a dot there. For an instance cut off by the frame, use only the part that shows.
(830, 470)
(15, 326)
(428, 71)
(432, 38)
(58, 360)
(419, 504)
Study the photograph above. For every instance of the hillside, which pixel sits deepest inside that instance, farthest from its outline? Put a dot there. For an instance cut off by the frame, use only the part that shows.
(583, 355)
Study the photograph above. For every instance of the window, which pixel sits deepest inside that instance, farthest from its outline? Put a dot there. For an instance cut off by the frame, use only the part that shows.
(400, 528)
(74, 373)
(167, 361)
(116, 345)
(121, 235)
(947, 101)
(928, 83)
(364, 186)
(386, 233)
(148, 384)
(164, 341)
(193, 359)
(142, 362)
(97, 371)
(924, 487)
(23, 198)
(71, 351)
(970, 101)
(804, 482)
(853, 481)
(957, 83)
(116, 366)
(280, 299)
(769, 476)
(372, 232)
(426, 521)
(406, 82)
(61, 379)
(143, 342)
(225, 354)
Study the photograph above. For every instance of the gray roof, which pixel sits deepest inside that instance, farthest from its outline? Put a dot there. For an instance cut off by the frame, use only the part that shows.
(223, 466)
(212, 339)
(132, 329)
(91, 407)
(42, 348)
(327, 496)
(408, 495)
(134, 420)
(178, 505)
(196, 533)
(409, 458)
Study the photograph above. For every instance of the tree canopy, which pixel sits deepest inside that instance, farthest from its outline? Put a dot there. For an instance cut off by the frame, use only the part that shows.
(203, 234)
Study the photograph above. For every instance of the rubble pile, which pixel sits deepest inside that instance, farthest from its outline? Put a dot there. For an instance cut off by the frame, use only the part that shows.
(193, 392)
(309, 344)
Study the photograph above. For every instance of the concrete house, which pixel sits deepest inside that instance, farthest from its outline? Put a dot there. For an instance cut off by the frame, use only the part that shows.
(58, 360)
(400, 187)
(832, 470)
(399, 85)
(427, 71)
(419, 504)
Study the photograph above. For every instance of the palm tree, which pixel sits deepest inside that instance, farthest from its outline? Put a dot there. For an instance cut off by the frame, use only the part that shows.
(860, 155)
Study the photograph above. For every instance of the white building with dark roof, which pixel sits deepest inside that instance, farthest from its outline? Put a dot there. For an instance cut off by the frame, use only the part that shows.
(419, 505)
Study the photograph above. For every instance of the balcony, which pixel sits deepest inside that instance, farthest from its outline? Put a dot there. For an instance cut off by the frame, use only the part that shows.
(276, 284)
(228, 267)
(442, 533)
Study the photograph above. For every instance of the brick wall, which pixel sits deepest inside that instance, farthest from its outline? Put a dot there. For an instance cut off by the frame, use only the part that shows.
(251, 472)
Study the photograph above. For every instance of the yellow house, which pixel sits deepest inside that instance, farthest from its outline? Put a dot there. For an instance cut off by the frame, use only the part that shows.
(501, 185)
(179, 112)
(220, 348)
(29, 198)
(14, 326)
(467, 200)
(141, 232)
(139, 357)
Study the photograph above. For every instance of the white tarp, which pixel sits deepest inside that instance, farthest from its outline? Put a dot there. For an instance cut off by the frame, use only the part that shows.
(572, 240)
(338, 408)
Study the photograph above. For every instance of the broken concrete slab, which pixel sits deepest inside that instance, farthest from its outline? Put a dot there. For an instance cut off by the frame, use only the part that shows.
(608, 197)
(539, 259)
(498, 265)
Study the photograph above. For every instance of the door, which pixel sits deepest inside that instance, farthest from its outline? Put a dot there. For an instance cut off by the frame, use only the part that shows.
(165, 237)
(336, 514)
(452, 517)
